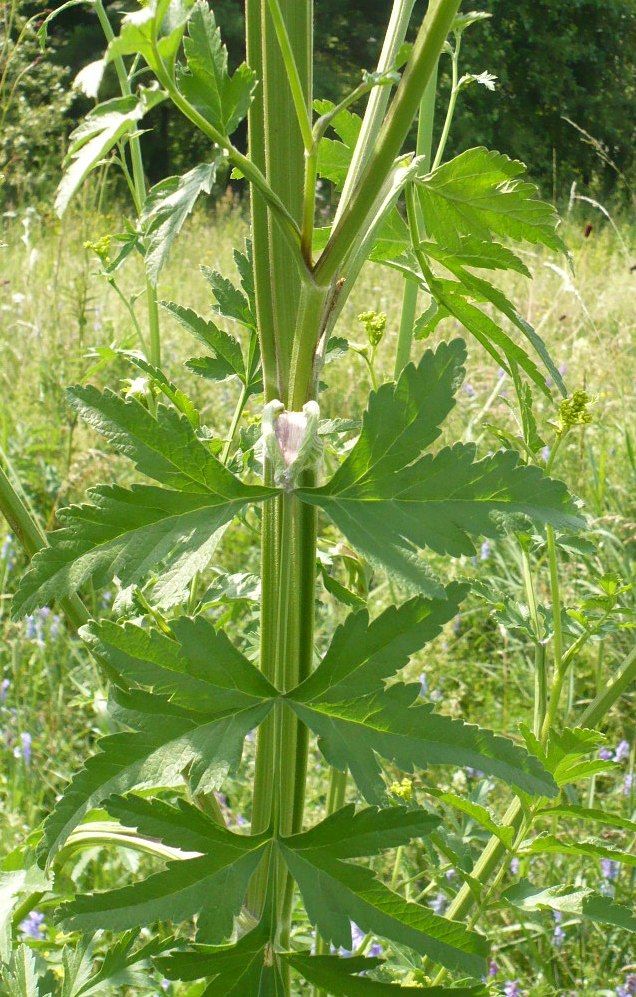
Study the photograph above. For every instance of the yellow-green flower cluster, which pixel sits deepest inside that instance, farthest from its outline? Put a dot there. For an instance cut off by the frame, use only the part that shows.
(374, 325)
(574, 411)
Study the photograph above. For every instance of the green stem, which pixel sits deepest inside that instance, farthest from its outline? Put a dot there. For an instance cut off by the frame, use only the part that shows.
(409, 299)
(32, 537)
(428, 45)
(450, 111)
(293, 76)
(378, 101)
(238, 412)
(615, 688)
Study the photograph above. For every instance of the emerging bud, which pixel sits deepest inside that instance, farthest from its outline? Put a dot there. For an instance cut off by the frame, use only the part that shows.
(374, 324)
(291, 440)
(574, 411)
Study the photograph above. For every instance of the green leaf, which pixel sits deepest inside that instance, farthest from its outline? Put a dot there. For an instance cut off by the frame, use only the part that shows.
(346, 834)
(127, 532)
(480, 814)
(248, 967)
(567, 900)
(16, 886)
(586, 813)
(334, 157)
(394, 725)
(482, 289)
(227, 358)
(339, 977)
(340, 591)
(388, 499)
(230, 301)
(99, 132)
(479, 193)
(123, 965)
(196, 665)
(221, 99)
(174, 394)
(336, 893)
(20, 976)
(187, 887)
(550, 844)
(474, 252)
(362, 654)
(216, 697)
(166, 208)
(154, 32)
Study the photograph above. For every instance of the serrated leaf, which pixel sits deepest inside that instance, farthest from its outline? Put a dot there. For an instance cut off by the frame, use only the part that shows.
(603, 817)
(99, 132)
(127, 532)
(21, 976)
(480, 814)
(334, 157)
(389, 500)
(340, 977)
(336, 893)
(123, 965)
(174, 394)
(215, 700)
(223, 100)
(196, 665)
(567, 900)
(227, 359)
(479, 193)
(230, 301)
(166, 208)
(248, 967)
(362, 654)
(395, 725)
(474, 252)
(187, 887)
(550, 844)
(347, 834)
(154, 32)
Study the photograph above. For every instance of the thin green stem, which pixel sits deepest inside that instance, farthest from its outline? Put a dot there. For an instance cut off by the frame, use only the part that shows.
(409, 299)
(450, 111)
(378, 101)
(238, 412)
(426, 50)
(293, 76)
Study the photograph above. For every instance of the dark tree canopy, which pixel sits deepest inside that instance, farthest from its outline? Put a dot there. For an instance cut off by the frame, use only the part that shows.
(554, 59)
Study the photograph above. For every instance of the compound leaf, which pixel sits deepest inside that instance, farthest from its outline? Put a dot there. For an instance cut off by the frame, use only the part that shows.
(388, 499)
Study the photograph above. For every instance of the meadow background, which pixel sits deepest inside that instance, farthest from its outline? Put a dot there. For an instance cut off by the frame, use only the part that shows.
(59, 316)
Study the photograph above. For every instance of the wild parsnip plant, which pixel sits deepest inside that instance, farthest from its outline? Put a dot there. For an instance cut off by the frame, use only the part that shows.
(185, 694)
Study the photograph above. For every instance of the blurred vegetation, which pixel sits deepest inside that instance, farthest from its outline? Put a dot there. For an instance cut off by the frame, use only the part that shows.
(564, 101)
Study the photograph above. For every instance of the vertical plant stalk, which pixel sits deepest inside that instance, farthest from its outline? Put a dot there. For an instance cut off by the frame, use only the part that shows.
(409, 299)
(139, 188)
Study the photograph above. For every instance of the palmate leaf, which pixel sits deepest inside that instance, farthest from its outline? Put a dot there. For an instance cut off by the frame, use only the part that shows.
(340, 978)
(222, 99)
(166, 208)
(216, 696)
(568, 900)
(128, 532)
(395, 726)
(389, 500)
(221, 866)
(479, 193)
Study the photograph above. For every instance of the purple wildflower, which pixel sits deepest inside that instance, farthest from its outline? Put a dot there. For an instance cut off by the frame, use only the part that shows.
(4, 688)
(26, 741)
(375, 950)
(33, 925)
(31, 630)
(450, 874)
(514, 866)
(605, 754)
(622, 751)
(165, 985)
(484, 553)
(438, 904)
(457, 626)
(628, 989)
(610, 869)
(423, 685)
(357, 936)
(627, 785)
(493, 968)
(558, 936)
(470, 391)
(545, 454)
(55, 626)
(511, 988)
